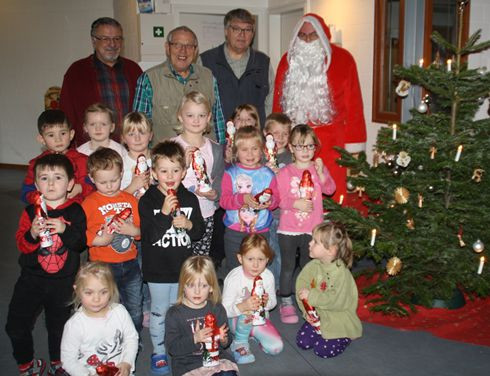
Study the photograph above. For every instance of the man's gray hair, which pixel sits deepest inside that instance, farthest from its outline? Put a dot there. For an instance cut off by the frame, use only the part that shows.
(181, 28)
(104, 21)
(239, 14)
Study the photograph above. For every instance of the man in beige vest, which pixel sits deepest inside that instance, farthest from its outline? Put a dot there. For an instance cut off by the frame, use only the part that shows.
(160, 89)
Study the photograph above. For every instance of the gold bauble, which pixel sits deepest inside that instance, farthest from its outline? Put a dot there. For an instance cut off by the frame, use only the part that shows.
(401, 195)
(393, 266)
(410, 224)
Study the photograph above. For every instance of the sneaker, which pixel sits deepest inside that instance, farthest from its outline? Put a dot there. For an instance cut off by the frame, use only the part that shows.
(159, 364)
(36, 368)
(57, 370)
(241, 353)
(146, 319)
(288, 314)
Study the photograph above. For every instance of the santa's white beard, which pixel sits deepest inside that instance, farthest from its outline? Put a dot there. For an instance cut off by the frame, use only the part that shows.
(306, 96)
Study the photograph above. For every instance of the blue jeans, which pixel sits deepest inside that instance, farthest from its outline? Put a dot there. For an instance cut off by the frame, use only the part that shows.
(275, 266)
(146, 290)
(130, 285)
(163, 295)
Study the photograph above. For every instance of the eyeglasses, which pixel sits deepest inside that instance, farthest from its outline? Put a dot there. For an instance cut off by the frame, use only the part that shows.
(304, 147)
(310, 37)
(179, 46)
(238, 30)
(108, 39)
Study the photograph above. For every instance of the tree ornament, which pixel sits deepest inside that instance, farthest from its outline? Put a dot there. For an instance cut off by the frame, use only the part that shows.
(410, 224)
(478, 246)
(375, 158)
(390, 163)
(437, 60)
(482, 70)
(420, 200)
(359, 191)
(481, 100)
(396, 171)
(401, 195)
(477, 174)
(350, 187)
(422, 107)
(460, 237)
(394, 266)
(403, 159)
(430, 189)
(403, 88)
(420, 167)
(433, 152)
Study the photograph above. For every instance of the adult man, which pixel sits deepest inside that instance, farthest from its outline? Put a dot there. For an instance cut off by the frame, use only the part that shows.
(317, 84)
(243, 74)
(160, 89)
(102, 77)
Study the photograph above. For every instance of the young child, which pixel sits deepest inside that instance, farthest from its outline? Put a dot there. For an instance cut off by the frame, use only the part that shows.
(170, 219)
(328, 286)
(240, 301)
(137, 132)
(110, 237)
(279, 125)
(243, 181)
(48, 273)
(194, 115)
(301, 210)
(55, 134)
(99, 124)
(244, 115)
(101, 331)
(185, 331)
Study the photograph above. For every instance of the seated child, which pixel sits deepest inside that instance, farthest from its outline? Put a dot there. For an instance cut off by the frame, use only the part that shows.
(187, 339)
(100, 332)
(47, 271)
(99, 124)
(242, 303)
(55, 134)
(111, 239)
(327, 285)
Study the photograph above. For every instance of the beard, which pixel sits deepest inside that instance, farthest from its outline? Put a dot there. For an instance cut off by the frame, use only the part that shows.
(306, 95)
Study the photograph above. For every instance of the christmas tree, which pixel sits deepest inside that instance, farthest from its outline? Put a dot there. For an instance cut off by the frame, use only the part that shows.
(427, 190)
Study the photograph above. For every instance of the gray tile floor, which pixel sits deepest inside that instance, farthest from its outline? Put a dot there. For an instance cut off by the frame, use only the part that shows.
(381, 350)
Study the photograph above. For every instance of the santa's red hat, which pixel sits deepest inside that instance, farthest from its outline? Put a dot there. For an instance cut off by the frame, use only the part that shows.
(321, 29)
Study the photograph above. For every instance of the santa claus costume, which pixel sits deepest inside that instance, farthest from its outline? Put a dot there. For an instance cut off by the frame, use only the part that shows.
(325, 95)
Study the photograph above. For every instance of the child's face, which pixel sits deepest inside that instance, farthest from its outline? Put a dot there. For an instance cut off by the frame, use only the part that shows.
(249, 152)
(98, 125)
(168, 173)
(253, 262)
(280, 132)
(107, 182)
(196, 292)
(194, 118)
(54, 184)
(303, 151)
(56, 138)
(318, 251)
(95, 296)
(137, 140)
(244, 118)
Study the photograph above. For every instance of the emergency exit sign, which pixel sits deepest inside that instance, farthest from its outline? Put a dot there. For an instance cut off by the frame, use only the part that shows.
(158, 32)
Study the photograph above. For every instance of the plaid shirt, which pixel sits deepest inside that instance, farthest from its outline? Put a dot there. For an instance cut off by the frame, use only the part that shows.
(113, 88)
(143, 101)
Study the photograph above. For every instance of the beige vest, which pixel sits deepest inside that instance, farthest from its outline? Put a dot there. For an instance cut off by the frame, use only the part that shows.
(168, 93)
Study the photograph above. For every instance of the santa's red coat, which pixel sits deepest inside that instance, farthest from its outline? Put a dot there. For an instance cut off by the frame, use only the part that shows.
(348, 128)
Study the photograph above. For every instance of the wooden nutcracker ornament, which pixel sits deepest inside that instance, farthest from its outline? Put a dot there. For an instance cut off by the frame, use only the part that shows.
(313, 315)
(259, 291)
(199, 168)
(211, 349)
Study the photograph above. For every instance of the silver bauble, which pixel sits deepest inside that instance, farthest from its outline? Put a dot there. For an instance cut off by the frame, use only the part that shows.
(478, 246)
(422, 107)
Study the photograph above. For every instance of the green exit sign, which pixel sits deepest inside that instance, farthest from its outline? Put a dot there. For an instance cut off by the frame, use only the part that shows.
(158, 32)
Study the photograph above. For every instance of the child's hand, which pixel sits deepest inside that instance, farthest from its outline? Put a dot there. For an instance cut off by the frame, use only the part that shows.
(124, 369)
(182, 222)
(169, 204)
(228, 154)
(202, 334)
(210, 195)
(56, 225)
(36, 227)
(250, 304)
(126, 228)
(303, 205)
(77, 189)
(303, 293)
(223, 334)
(252, 202)
(188, 155)
(140, 181)
(273, 168)
(103, 238)
(319, 169)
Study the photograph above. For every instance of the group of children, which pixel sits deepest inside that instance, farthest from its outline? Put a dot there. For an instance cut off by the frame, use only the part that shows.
(148, 214)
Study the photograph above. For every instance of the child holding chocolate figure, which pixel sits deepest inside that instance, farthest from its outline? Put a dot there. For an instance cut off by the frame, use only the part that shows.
(301, 185)
(327, 285)
(170, 220)
(204, 159)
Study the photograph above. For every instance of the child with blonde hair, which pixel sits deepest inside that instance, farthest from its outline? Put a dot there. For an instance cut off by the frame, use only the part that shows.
(327, 285)
(240, 300)
(186, 336)
(100, 333)
(204, 161)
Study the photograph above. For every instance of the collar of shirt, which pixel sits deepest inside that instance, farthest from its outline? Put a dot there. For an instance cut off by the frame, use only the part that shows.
(179, 78)
(100, 64)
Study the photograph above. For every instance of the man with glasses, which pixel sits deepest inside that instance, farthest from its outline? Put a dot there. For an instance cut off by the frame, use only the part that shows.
(160, 89)
(244, 75)
(103, 77)
(317, 84)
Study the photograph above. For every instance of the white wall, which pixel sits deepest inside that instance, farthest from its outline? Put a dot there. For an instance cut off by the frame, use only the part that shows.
(39, 40)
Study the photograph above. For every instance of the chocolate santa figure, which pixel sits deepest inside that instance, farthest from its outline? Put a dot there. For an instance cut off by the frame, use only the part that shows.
(199, 167)
(175, 211)
(306, 187)
(230, 134)
(106, 370)
(313, 315)
(210, 356)
(264, 197)
(140, 168)
(42, 213)
(259, 291)
(119, 217)
(270, 150)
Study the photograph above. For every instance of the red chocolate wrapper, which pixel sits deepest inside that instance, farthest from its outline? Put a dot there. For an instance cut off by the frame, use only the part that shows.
(111, 226)
(106, 370)
(211, 349)
(264, 197)
(199, 168)
(258, 290)
(313, 315)
(176, 211)
(306, 186)
(41, 212)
